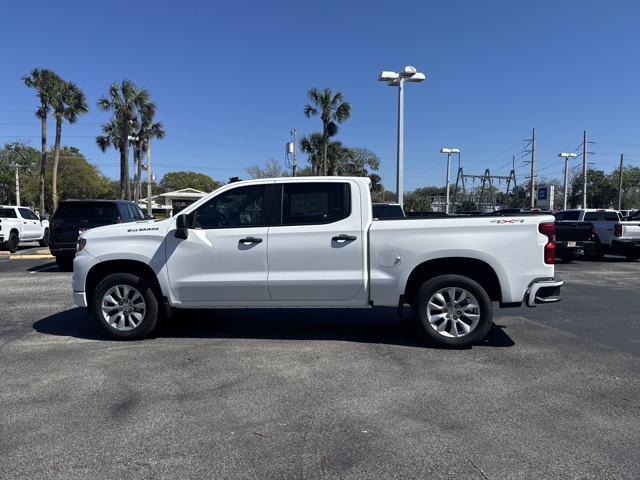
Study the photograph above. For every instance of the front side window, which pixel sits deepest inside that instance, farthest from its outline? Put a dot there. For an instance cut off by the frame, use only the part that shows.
(315, 203)
(135, 213)
(240, 207)
(28, 214)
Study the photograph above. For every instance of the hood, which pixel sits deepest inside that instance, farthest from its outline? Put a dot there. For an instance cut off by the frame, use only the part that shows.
(128, 229)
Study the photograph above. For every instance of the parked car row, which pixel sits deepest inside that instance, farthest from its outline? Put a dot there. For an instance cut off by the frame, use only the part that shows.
(21, 224)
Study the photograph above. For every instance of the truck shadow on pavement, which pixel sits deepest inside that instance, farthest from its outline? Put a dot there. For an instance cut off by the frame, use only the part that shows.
(378, 326)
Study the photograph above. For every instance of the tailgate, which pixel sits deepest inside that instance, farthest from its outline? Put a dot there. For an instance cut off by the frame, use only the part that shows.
(631, 230)
(573, 231)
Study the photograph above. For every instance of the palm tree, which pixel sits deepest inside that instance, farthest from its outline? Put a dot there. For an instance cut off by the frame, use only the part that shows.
(332, 108)
(44, 81)
(68, 103)
(147, 130)
(336, 154)
(124, 101)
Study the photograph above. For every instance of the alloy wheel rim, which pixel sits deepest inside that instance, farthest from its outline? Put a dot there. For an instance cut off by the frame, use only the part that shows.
(453, 312)
(123, 307)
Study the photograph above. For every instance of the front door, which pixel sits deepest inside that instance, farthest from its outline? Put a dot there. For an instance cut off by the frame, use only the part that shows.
(224, 258)
(316, 248)
(31, 228)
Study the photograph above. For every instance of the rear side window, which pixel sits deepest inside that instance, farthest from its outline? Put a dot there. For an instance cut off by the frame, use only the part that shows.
(85, 211)
(601, 216)
(315, 203)
(8, 213)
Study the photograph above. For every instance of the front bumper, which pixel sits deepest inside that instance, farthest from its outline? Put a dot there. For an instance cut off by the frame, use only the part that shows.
(80, 298)
(543, 291)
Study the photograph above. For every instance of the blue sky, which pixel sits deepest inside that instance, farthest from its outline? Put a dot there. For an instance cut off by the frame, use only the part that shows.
(230, 78)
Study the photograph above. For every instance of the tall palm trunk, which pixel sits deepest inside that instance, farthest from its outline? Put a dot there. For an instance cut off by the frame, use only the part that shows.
(325, 146)
(123, 187)
(54, 171)
(43, 160)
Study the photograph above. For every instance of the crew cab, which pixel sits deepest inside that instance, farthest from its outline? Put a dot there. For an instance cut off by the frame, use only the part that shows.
(312, 242)
(21, 224)
(612, 234)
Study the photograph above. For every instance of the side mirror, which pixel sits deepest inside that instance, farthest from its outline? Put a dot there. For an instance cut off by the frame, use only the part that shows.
(182, 227)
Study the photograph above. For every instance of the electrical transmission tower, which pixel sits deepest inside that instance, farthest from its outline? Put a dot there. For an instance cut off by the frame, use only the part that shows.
(487, 197)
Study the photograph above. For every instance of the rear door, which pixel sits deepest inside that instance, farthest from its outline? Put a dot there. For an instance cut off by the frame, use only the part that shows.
(224, 258)
(316, 246)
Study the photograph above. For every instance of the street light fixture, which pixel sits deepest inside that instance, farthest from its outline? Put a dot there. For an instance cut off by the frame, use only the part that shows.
(449, 151)
(566, 157)
(397, 79)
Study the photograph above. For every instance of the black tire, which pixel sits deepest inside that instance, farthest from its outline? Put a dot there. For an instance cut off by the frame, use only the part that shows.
(428, 331)
(596, 252)
(12, 243)
(142, 285)
(632, 255)
(45, 238)
(568, 257)
(65, 263)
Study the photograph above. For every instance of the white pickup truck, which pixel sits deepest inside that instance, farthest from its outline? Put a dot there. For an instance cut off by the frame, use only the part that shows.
(312, 242)
(21, 224)
(613, 235)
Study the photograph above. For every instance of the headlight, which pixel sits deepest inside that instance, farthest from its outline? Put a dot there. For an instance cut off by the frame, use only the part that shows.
(80, 245)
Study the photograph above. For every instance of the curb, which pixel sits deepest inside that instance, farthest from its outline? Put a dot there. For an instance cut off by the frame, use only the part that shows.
(25, 257)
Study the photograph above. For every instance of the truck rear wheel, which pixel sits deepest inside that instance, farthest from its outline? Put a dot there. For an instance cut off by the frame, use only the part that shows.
(125, 306)
(452, 311)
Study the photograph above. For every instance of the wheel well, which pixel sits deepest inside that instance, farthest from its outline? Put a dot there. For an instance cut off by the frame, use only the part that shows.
(101, 270)
(14, 230)
(475, 269)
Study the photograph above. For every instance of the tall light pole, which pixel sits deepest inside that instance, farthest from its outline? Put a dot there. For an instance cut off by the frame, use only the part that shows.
(566, 157)
(397, 79)
(449, 151)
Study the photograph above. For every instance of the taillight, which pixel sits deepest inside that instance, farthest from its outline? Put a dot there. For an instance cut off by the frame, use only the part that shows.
(549, 229)
(617, 230)
(119, 220)
(593, 231)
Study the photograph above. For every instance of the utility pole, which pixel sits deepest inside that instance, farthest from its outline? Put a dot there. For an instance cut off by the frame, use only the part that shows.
(533, 168)
(584, 169)
(294, 164)
(17, 185)
(620, 182)
(149, 178)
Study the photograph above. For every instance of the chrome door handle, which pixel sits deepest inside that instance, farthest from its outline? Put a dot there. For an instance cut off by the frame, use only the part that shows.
(344, 238)
(250, 240)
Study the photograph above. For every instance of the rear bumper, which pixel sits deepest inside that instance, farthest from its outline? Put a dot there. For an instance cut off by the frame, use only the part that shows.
(62, 249)
(543, 291)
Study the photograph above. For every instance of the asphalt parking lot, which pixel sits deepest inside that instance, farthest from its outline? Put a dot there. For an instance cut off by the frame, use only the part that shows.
(552, 393)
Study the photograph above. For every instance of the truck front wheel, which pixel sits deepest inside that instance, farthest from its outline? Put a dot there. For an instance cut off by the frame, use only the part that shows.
(125, 306)
(452, 311)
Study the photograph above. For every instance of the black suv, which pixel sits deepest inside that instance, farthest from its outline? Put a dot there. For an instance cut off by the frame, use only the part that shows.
(74, 216)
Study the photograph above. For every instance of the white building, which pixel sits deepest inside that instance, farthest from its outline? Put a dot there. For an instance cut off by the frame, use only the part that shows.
(169, 203)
